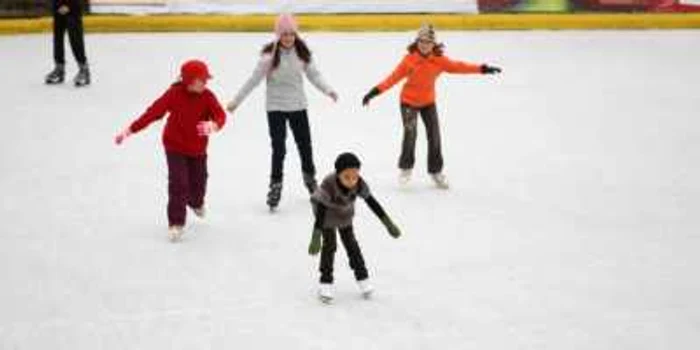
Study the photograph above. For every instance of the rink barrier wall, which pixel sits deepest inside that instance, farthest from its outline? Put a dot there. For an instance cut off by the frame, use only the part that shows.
(361, 22)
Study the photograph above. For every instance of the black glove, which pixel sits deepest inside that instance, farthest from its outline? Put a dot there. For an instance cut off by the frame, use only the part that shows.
(370, 95)
(486, 69)
(315, 244)
(391, 227)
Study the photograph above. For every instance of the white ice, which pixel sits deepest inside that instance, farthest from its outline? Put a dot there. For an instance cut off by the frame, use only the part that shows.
(572, 221)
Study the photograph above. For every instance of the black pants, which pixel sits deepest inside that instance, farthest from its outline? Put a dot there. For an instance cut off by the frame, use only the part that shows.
(409, 115)
(357, 262)
(299, 123)
(73, 23)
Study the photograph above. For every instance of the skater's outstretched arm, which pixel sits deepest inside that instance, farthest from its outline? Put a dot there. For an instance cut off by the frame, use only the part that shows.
(375, 207)
(315, 77)
(400, 72)
(462, 67)
(258, 75)
(382, 215)
(154, 113)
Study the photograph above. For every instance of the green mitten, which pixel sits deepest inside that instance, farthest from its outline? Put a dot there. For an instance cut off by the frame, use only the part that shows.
(315, 244)
(391, 227)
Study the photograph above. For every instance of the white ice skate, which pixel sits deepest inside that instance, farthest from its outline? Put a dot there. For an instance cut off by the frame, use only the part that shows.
(440, 181)
(175, 233)
(200, 212)
(325, 292)
(366, 288)
(404, 177)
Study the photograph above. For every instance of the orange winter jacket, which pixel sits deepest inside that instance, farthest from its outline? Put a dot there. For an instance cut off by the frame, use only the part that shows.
(422, 71)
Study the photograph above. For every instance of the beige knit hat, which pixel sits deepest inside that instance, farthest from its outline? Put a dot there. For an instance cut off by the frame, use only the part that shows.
(427, 32)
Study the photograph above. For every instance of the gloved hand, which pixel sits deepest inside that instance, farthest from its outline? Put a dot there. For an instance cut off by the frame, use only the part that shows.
(315, 244)
(486, 69)
(206, 128)
(391, 227)
(122, 136)
(334, 96)
(231, 106)
(370, 95)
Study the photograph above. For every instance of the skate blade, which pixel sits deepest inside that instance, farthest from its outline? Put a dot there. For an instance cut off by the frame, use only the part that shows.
(175, 238)
(442, 186)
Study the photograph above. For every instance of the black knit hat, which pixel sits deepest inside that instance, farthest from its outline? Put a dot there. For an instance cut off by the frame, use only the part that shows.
(346, 161)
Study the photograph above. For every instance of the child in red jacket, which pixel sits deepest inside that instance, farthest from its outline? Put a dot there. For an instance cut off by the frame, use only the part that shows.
(421, 67)
(194, 114)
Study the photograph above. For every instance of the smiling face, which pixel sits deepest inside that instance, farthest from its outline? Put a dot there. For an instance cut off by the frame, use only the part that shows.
(287, 39)
(425, 46)
(349, 177)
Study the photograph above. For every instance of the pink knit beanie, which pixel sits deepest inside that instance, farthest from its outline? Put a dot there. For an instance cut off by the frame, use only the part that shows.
(285, 23)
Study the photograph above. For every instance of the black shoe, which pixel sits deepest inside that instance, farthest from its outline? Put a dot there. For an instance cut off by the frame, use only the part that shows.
(310, 183)
(274, 195)
(57, 75)
(83, 76)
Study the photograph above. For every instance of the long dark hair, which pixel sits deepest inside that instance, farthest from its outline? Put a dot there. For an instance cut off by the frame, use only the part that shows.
(273, 48)
(438, 49)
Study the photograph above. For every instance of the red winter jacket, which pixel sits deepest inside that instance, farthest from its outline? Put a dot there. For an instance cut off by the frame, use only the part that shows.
(186, 110)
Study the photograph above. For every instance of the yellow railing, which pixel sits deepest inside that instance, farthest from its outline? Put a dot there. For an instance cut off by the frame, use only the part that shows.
(346, 22)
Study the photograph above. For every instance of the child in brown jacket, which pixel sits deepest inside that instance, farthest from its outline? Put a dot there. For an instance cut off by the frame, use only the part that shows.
(334, 208)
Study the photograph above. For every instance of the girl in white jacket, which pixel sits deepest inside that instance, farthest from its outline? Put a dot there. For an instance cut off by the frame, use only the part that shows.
(283, 64)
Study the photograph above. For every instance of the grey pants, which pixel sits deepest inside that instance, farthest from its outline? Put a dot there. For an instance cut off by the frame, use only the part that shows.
(409, 115)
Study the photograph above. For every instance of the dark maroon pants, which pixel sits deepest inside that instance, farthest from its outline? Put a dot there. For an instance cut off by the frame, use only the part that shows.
(187, 185)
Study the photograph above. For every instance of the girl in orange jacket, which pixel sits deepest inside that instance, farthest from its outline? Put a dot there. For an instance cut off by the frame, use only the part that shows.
(421, 67)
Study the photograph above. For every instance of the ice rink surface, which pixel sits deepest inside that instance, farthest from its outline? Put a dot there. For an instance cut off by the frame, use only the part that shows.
(572, 221)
